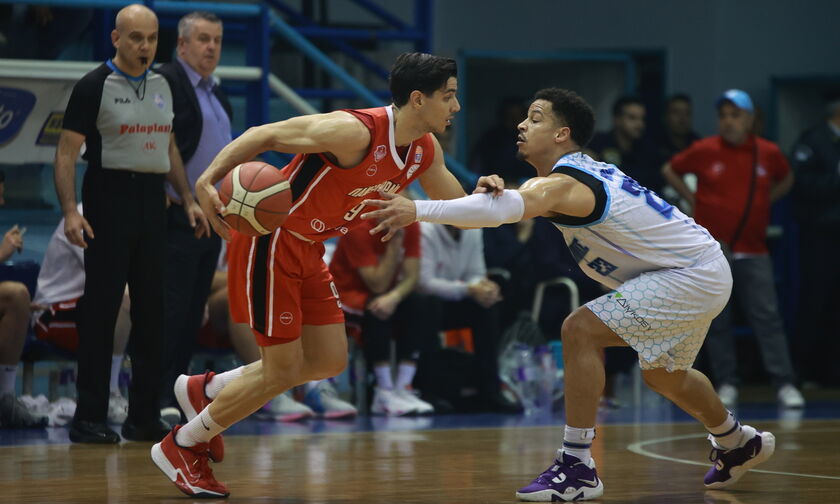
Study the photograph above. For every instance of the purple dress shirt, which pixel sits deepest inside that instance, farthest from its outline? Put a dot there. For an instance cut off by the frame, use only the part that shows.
(215, 129)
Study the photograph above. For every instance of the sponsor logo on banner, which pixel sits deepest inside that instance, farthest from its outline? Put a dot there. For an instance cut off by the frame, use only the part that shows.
(411, 169)
(379, 153)
(418, 154)
(51, 130)
(15, 106)
(371, 171)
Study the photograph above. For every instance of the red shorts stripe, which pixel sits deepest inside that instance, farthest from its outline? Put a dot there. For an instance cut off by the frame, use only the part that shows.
(57, 325)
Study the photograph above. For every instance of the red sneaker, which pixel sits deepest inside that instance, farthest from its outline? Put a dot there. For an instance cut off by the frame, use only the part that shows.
(192, 398)
(187, 467)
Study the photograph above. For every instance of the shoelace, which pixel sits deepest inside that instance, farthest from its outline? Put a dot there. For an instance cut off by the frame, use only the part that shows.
(549, 474)
(202, 464)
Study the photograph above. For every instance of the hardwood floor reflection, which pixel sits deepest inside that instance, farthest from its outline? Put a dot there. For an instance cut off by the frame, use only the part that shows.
(434, 466)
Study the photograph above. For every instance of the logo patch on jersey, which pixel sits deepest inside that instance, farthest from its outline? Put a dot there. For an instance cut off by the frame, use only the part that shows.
(15, 106)
(718, 168)
(418, 155)
(131, 129)
(762, 171)
(379, 153)
(411, 169)
(318, 225)
(286, 318)
(159, 101)
(371, 171)
(122, 101)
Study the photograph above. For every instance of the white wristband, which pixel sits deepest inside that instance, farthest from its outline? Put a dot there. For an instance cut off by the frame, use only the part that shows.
(475, 210)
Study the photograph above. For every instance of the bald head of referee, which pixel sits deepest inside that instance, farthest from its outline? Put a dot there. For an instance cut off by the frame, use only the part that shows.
(135, 38)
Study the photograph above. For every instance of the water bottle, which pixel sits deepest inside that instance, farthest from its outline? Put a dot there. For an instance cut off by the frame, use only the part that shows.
(528, 376)
(517, 371)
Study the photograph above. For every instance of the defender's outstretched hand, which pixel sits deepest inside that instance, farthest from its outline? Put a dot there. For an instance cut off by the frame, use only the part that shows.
(490, 184)
(395, 212)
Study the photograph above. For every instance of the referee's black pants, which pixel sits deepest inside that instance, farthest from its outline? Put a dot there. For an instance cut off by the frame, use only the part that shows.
(190, 265)
(127, 211)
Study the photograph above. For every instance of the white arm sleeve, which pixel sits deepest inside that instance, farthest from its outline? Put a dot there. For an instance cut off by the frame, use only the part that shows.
(475, 210)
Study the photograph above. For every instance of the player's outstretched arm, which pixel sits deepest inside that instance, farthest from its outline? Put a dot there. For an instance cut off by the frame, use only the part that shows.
(437, 181)
(556, 194)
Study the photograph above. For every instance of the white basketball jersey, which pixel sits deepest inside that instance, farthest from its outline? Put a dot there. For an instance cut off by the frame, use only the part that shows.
(62, 275)
(632, 230)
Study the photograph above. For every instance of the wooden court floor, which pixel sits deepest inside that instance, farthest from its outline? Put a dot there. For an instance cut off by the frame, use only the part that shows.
(649, 463)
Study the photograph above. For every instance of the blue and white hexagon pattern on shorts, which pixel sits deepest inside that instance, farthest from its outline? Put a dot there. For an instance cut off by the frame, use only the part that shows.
(665, 314)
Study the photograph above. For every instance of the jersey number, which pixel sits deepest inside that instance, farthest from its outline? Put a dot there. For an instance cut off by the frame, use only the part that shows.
(663, 207)
(353, 212)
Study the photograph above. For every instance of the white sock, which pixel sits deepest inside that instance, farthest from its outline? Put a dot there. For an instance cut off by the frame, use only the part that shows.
(730, 434)
(383, 377)
(8, 376)
(200, 429)
(116, 366)
(577, 442)
(220, 381)
(405, 375)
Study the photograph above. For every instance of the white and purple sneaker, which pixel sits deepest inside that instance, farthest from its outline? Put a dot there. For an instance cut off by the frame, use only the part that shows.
(568, 479)
(730, 465)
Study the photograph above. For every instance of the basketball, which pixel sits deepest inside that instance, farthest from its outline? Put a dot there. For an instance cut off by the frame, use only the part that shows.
(256, 198)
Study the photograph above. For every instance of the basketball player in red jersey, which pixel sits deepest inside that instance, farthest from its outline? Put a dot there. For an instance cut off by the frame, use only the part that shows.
(278, 283)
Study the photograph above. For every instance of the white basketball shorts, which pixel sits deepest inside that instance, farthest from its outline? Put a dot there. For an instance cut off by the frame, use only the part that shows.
(665, 314)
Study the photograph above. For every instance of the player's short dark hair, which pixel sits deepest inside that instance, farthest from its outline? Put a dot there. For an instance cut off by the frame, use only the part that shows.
(678, 97)
(618, 105)
(419, 71)
(572, 110)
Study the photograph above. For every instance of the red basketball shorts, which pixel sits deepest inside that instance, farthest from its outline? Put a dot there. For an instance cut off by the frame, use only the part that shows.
(277, 283)
(57, 325)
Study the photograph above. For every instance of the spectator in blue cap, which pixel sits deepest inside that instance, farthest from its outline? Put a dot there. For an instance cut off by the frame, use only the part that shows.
(739, 175)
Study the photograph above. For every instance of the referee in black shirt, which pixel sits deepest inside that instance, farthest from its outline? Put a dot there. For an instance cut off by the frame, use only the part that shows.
(122, 112)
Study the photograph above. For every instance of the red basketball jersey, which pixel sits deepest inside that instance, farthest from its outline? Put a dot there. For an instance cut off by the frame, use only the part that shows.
(327, 199)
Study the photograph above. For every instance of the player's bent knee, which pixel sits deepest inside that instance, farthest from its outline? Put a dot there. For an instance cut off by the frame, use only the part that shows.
(278, 379)
(14, 294)
(577, 330)
(328, 367)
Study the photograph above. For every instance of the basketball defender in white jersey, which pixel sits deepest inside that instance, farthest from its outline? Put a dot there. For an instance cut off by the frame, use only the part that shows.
(669, 276)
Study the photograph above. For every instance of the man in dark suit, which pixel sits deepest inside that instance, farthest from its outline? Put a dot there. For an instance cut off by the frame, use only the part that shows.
(202, 129)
